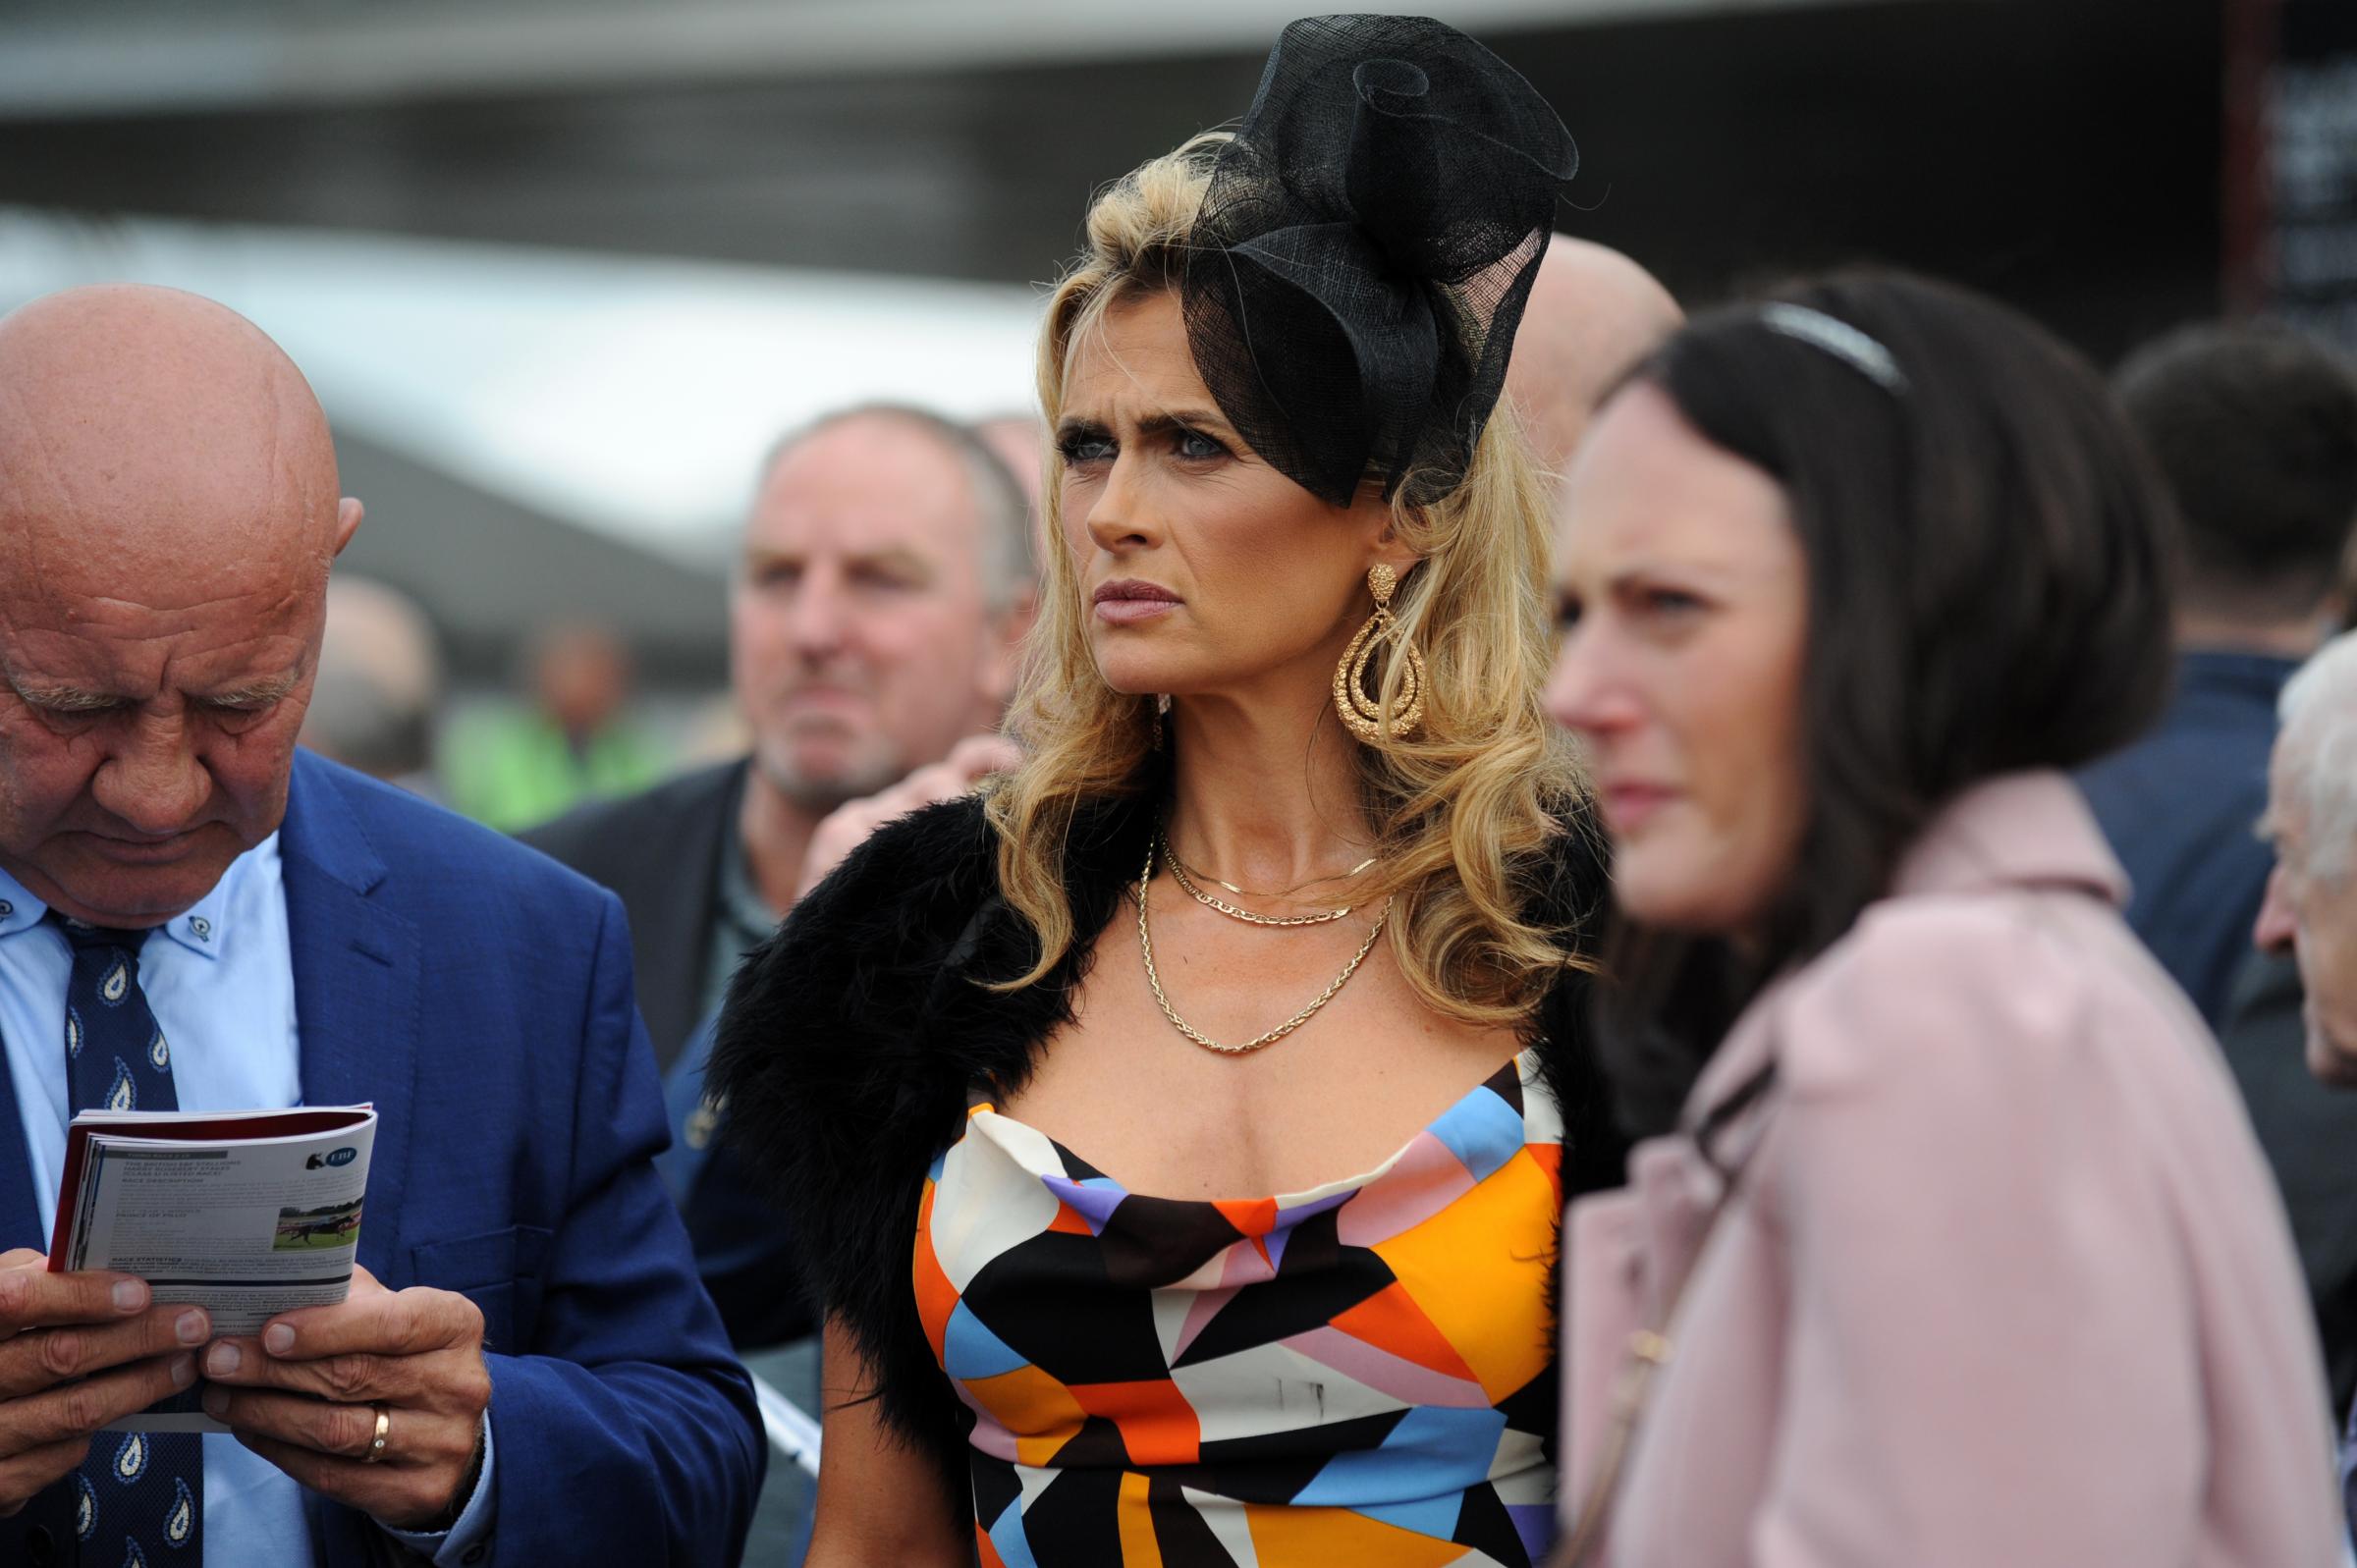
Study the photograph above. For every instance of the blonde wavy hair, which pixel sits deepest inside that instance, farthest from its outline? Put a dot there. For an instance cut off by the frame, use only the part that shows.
(1465, 813)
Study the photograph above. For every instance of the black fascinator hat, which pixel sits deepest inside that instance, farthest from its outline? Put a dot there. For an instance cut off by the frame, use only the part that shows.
(1366, 248)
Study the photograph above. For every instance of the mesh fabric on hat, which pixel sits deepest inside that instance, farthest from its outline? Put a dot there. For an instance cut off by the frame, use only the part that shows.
(1364, 251)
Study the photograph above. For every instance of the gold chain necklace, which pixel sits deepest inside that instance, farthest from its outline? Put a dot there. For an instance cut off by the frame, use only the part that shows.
(1169, 852)
(1145, 946)
(1211, 901)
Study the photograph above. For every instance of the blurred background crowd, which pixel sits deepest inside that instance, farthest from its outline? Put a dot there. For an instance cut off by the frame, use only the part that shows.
(574, 279)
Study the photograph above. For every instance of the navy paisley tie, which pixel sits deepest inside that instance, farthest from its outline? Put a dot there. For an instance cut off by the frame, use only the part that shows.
(143, 1488)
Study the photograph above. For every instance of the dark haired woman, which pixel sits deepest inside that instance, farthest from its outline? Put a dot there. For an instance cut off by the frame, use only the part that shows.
(1179, 1134)
(1953, 1248)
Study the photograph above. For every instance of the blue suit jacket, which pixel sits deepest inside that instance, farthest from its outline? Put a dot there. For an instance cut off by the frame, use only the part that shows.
(480, 996)
(2179, 807)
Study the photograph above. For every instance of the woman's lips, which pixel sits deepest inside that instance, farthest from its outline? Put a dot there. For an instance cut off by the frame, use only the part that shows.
(1125, 611)
(1627, 806)
(1129, 601)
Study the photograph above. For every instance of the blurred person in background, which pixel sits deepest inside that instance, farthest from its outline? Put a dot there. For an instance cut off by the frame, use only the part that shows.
(378, 693)
(1593, 313)
(1948, 1245)
(525, 1369)
(1282, 733)
(518, 767)
(1021, 444)
(2254, 430)
(2292, 1040)
(881, 588)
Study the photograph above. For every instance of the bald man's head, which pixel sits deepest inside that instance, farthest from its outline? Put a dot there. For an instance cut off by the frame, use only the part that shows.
(1593, 313)
(168, 509)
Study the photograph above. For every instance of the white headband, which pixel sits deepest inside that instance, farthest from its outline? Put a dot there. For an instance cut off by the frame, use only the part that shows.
(1837, 337)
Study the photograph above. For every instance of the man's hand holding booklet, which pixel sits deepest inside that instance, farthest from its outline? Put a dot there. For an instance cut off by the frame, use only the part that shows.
(244, 1214)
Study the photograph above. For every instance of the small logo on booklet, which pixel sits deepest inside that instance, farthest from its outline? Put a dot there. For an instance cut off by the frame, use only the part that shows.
(342, 1157)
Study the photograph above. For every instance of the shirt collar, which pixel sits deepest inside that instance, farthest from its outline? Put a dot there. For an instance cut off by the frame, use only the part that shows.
(740, 901)
(202, 928)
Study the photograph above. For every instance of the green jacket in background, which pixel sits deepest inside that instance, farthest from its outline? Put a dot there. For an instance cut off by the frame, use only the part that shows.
(516, 769)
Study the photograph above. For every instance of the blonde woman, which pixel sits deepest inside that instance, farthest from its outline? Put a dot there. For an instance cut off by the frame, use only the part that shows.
(1178, 1132)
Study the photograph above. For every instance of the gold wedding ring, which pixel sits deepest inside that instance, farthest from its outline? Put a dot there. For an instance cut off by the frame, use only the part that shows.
(376, 1443)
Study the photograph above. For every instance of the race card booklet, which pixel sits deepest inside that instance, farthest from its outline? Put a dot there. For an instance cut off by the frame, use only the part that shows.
(246, 1214)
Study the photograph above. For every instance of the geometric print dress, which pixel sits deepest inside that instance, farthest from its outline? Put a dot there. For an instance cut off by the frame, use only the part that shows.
(1362, 1374)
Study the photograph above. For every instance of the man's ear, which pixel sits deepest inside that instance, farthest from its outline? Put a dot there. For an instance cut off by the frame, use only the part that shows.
(348, 513)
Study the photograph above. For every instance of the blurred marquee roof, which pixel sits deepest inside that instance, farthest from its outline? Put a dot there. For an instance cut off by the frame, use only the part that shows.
(633, 393)
(73, 57)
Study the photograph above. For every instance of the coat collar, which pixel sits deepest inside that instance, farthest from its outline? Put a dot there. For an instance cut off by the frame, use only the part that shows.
(2017, 831)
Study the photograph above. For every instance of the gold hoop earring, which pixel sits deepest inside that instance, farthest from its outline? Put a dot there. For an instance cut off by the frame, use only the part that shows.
(1361, 713)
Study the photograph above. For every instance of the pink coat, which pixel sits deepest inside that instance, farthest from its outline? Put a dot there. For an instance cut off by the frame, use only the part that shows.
(2005, 1284)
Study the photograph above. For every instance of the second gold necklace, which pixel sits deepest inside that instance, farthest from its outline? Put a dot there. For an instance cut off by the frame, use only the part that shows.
(1145, 946)
(1214, 902)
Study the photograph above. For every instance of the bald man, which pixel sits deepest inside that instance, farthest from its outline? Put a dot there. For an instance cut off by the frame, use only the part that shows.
(1593, 314)
(525, 1369)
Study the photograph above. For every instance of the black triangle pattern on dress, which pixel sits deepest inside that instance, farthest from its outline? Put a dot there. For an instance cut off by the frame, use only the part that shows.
(1485, 1527)
(1051, 1301)
(1326, 1282)
(1153, 1242)
(1180, 1533)
(1078, 1512)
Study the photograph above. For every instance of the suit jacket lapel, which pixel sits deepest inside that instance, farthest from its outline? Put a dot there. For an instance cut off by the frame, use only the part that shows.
(357, 994)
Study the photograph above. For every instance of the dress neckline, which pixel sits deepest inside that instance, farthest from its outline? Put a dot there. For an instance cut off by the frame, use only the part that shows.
(1023, 1143)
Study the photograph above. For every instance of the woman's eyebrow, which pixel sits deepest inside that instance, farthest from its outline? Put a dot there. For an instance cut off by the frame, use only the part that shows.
(1201, 421)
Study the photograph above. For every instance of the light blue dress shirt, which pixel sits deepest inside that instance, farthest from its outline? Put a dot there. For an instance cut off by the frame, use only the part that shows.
(220, 979)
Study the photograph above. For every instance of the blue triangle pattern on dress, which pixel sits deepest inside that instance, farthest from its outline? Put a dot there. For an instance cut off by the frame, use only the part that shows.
(969, 1350)
(1435, 1516)
(1482, 1130)
(1431, 1450)
(1006, 1535)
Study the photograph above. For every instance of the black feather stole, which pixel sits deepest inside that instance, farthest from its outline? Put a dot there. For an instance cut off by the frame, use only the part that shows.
(851, 1040)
